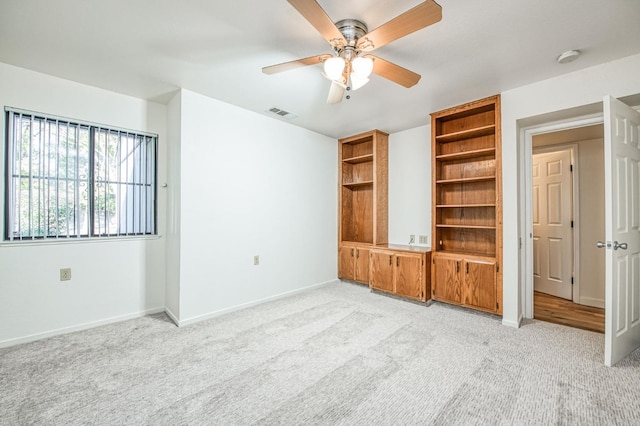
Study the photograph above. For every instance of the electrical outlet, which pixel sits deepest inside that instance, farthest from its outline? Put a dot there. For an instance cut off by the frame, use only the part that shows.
(256, 260)
(412, 239)
(423, 239)
(65, 274)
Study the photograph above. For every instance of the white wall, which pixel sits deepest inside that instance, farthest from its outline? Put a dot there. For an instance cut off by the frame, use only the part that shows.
(110, 280)
(251, 185)
(410, 184)
(618, 78)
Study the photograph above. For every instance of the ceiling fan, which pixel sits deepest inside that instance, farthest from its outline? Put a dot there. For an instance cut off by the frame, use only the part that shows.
(351, 63)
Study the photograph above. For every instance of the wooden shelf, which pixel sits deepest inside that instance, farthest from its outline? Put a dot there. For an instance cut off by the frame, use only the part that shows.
(359, 159)
(447, 206)
(465, 226)
(467, 134)
(356, 184)
(467, 154)
(466, 180)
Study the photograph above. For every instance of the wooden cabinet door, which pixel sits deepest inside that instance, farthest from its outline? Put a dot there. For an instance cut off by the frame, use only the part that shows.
(362, 265)
(480, 284)
(346, 268)
(446, 284)
(381, 270)
(409, 281)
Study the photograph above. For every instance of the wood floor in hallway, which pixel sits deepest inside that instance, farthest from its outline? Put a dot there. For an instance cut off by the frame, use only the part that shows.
(562, 311)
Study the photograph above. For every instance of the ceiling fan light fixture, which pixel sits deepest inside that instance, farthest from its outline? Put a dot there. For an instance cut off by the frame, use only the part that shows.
(334, 67)
(357, 81)
(362, 67)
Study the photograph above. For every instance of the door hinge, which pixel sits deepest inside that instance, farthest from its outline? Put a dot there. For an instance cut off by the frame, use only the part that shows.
(571, 280)
(572, 224)
(571, 168)
(433, 260)
(497, 305)
(497, 267)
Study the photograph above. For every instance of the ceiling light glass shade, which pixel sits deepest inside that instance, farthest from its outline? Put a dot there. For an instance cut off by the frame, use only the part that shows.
(357, 81)
(362, 67)
(333, 67)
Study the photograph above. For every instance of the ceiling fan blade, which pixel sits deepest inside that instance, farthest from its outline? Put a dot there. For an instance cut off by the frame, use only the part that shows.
(317, 17)
(286, 66)
(336, 91)
(421, 16)
(394, 72)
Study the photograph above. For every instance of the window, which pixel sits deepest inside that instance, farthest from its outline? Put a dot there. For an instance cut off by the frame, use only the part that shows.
(70, 179)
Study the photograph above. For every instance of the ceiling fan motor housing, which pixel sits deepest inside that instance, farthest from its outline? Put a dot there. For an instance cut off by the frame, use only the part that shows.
(352, 30)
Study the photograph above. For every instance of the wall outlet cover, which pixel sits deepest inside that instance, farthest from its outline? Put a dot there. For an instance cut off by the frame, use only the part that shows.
(65, 274)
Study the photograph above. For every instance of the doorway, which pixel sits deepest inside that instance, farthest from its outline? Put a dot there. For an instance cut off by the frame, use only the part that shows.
(621, 240)
(568, 269)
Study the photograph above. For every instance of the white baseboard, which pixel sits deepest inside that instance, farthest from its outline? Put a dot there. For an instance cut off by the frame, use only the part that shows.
(513, 324)
(193, 320)
(590, 301)
(79, 327)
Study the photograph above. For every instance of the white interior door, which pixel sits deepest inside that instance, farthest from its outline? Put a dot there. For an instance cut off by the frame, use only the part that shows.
(552, 215)
(622, 230)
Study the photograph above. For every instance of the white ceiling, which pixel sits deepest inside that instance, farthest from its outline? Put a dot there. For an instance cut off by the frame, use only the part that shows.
(150, 48)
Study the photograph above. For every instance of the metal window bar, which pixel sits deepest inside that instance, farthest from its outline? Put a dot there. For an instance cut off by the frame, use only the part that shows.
(139, 182)
(126, 195)
(91, 184)
(57, 180)
(118, 157)
(30, 222)
(9, 186)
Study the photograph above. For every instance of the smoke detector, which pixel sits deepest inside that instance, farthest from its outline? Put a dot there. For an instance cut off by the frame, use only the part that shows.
(568, 56)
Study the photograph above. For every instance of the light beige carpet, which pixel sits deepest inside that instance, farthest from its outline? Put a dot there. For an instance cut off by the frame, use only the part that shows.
(335, 355)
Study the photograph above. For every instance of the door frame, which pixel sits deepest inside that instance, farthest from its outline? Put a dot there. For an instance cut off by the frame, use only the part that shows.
(575, 211)
(526, 135)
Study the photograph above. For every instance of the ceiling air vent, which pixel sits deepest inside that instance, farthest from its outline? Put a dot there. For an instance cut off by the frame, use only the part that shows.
(282, 113)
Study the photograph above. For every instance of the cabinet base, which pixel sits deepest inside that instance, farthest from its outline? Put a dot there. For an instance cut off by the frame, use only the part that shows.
(466, 308)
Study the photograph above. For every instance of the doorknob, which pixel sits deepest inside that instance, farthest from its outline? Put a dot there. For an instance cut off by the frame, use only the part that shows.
(600, 244)
(617, 245)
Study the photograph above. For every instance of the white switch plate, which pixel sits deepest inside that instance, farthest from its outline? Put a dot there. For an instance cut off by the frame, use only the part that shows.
(423, 239)
(256, 260)
(412, 239)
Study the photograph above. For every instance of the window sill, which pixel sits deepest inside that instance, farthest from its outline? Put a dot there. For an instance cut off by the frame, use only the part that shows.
(89, 240)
